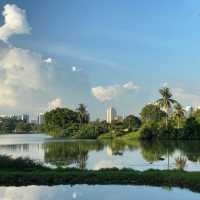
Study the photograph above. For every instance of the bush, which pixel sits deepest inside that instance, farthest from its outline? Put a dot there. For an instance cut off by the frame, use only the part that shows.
(89, 131)
(147, 132)
(191, 129)
(18, 163)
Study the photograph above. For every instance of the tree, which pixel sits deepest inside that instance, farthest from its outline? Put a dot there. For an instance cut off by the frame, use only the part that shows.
(178, 113)
(57, 120)
(23, 127)
(196, 115)
(166, 101)
(83, 114)
(8, 125)
(191, 129)
(131, 122)
(152, 113)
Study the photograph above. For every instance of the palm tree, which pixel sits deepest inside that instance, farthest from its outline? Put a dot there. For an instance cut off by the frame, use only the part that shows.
(179, 113)
(166, 101)
(83, 113)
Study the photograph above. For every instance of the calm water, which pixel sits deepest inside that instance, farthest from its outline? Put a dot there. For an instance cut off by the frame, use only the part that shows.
(96, 155)
(84, 192)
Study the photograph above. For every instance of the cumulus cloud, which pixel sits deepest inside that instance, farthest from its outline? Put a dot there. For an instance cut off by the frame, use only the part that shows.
(27, 80)
(104, 164)
(186, 96)
(55, 103)
(15, 22)
(107, 93)
(165, 84)
(20, 69)
(7, 96)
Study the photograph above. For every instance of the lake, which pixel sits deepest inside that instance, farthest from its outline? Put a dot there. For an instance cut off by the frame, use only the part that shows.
(140, 155)
(85, 192)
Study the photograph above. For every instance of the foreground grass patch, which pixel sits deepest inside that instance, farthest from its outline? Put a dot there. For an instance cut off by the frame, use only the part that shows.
(21, 172)
(171, 178)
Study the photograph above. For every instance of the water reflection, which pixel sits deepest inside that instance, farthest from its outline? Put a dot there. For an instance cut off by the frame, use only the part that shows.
(140, 155)
(85, 192)
(181, 162)
(70, 153)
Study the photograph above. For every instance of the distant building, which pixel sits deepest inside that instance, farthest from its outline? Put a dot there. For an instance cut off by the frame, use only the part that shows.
(188, 111)
(119, 118)
(34, 121)
(111, 114)
(41, 118)
(25, 118)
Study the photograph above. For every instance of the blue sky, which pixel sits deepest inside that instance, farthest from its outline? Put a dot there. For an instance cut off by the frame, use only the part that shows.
(144, 43)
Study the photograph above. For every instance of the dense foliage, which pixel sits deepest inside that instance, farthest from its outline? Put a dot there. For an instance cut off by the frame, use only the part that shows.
(167, 120)
(151, 113)
(12, 124)
(163, 119)
(58, 120)
(68, 123)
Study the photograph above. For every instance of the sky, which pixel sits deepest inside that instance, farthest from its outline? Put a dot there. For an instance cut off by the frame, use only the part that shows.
(100, 53)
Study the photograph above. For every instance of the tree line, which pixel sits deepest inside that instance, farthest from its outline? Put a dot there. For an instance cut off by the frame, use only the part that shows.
(165, 119)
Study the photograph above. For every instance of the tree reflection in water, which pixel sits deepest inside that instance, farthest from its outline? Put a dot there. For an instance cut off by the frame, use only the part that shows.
(63, 154)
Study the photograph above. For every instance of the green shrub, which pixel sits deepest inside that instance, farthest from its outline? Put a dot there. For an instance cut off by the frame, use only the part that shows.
(146, 132)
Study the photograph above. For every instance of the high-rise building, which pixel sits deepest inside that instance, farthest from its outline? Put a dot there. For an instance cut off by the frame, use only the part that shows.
(25, 118)
(34, 121)
(111, 114)
(41, 118)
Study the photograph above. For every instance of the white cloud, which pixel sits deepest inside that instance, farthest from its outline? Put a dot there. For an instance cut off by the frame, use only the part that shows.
(49, 60)
(55, 103)
(187, 97)
(104, 164)
(107, 93)
(27, 80)
(7, 96)
(15, 22)
(21, 70)
(130, 86)
(165, 84)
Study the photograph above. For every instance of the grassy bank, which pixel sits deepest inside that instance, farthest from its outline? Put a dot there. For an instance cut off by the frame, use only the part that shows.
(171, 178)
(21, 172)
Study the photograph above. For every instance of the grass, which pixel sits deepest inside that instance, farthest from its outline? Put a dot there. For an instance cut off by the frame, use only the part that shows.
(105, 136)
(134, 135)
(171, 178)
(21, 172)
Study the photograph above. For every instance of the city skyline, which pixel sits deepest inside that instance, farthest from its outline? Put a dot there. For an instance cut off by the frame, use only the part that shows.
(76, 54)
